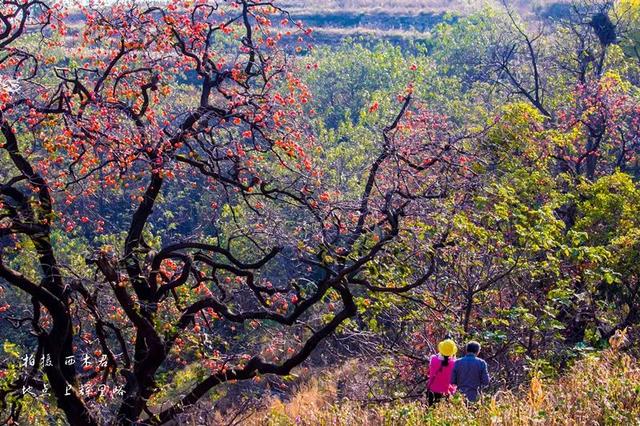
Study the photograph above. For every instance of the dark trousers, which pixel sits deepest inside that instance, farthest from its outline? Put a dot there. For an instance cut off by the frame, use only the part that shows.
(434, 397)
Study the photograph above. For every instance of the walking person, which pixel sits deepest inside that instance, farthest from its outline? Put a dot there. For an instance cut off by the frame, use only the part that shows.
(470, 373)
(440, 368)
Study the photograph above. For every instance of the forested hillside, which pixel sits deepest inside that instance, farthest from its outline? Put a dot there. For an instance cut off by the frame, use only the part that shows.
(250, 212)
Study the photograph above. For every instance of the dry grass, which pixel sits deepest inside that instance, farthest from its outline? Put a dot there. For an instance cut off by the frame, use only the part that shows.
(309, 403)
(599, 390)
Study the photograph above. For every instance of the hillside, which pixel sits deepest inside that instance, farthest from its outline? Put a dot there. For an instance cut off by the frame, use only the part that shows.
(409, 7)
(579, 397)
(205, 220)
(399, 20)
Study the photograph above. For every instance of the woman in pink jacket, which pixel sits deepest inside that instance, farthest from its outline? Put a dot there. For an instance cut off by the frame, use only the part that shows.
(440, 367)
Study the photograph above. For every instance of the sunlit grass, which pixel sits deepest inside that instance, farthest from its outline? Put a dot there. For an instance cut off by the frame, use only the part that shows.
(601, 389)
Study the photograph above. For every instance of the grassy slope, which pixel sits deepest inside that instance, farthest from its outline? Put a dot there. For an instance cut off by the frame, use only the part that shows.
(602, 389)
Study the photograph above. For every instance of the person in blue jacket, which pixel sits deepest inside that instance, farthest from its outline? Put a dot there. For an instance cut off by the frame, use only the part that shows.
(470, 373)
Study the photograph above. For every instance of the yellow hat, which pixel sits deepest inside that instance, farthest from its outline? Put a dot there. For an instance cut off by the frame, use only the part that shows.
(447, 348)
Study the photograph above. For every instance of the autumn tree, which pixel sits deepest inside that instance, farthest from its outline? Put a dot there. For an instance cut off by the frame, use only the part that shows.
(115, 118)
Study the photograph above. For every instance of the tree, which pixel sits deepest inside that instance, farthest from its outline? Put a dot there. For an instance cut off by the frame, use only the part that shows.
(156, 104)
(629, 10)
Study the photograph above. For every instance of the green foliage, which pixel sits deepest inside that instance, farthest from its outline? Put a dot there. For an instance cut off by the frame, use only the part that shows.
(348, 79)
(521, 250)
